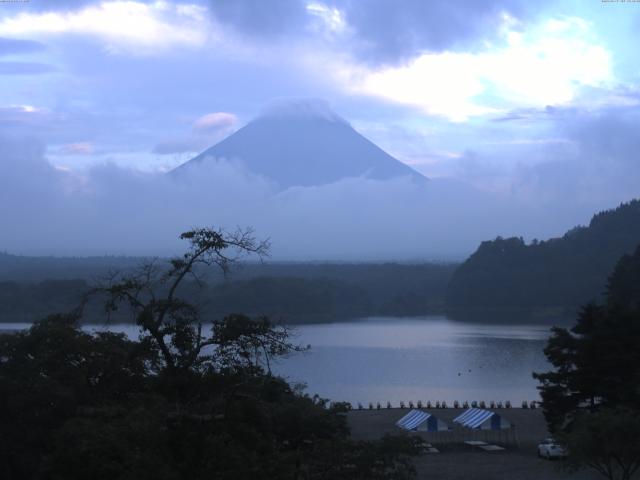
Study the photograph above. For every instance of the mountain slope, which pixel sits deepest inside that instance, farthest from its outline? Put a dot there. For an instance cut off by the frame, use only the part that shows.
(566, 272)
(302, 147)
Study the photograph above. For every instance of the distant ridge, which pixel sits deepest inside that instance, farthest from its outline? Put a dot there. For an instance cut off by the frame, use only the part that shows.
(303, 144)
(561, 272)
(22, 268)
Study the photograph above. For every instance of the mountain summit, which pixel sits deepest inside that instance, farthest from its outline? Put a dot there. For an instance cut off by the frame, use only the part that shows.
(304, 144)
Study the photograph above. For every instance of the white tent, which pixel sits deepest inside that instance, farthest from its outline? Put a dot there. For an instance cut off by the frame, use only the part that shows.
(419, 421)
(480, 419)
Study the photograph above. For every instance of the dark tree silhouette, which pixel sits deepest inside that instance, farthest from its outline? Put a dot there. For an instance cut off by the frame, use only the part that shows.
(152, 293)
(607, 441)
(179, 402)
(592, 397)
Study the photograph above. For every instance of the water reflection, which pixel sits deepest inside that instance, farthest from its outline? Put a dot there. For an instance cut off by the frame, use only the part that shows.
(431, 358)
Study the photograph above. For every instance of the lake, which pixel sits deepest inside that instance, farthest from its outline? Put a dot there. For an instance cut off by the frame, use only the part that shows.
(429, 358)
(401, 359)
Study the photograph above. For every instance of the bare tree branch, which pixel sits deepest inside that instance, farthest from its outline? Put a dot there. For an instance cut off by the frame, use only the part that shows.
(152, 293)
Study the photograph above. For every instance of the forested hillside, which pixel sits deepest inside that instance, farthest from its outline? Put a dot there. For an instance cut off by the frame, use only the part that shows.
(20, 268)
(31, 288)
(560, 272)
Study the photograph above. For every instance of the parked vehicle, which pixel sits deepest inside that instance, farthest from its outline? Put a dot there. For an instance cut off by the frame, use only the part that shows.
(549, 449)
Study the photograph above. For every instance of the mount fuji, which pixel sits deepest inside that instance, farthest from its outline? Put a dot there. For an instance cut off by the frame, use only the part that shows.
(303, 144)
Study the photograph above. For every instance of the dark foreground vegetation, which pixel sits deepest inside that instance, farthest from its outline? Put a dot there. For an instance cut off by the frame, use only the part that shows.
(591, 399)
(181, 402)
(561, 272)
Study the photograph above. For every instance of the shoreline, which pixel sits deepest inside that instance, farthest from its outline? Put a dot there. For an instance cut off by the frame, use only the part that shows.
(366, 424)
(484, 316)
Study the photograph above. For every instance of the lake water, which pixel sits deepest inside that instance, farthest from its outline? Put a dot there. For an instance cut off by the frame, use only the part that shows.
(430, 358)
(399, 359)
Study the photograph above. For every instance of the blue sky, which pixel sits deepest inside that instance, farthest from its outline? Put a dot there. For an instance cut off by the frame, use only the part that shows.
(537, 100)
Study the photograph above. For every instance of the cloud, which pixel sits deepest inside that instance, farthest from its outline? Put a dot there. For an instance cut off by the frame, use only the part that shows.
(12, 47)
(332, 20)
(392, 32)
(81, 148)
(545, 121)
(179, 145)
(9, 46)
(580, 156)
(58, 5)
(24, 116)
(205, 131)
(376, 31)
(131, 26)
(24, 68)
(300, 107)
(215, 122)
(257, 18)
(546, 65)
(29, 186)
(112, 210)
(440, 84)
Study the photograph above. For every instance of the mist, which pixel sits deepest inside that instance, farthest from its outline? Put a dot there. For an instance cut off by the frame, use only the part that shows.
(111, 210)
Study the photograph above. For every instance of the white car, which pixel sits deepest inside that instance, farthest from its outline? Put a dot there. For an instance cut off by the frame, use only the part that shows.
(549, 449)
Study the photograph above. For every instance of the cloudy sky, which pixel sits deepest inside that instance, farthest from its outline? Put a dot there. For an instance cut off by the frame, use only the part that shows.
(530, 103)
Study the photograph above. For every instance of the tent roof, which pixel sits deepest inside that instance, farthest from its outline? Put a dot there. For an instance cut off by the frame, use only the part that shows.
(474, 417)
(413, 419)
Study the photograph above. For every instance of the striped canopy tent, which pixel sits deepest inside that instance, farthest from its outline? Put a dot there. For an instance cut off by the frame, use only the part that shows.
(480, 419)
(419, 421)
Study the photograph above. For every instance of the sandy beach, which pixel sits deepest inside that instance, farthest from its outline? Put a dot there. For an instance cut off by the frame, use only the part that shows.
(456, 460)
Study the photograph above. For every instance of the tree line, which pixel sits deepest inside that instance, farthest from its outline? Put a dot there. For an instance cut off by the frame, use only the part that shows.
(591, 398)
(560, 272)
(294, 293)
